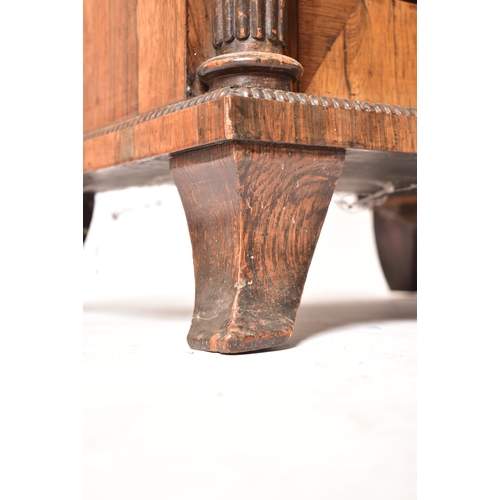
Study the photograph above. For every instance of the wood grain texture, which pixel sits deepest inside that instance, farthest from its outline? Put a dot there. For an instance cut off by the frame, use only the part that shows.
(183, 129)
(88, 210)
(161, 33)
(405, 46)
(340, 123)
(254, 212)
(259, 115)
(320, 22)
(374, 58)
(200, 46)
(134, 58)
(109, 62)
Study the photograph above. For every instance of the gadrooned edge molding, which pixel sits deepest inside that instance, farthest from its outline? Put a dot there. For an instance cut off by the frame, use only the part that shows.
(258, 93)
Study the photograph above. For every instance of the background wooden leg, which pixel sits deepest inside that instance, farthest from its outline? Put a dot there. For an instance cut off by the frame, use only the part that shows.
(396, 235)
(254, 212)
(88, 209)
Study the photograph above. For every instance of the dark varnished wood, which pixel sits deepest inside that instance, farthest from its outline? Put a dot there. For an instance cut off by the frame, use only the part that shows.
(254, 212)
(88, 210)
(249, 37)
(396, 235)
(204, 34)
(269, 70)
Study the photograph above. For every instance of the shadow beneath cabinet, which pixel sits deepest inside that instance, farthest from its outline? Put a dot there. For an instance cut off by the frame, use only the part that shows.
(141, 307)
(315, 319)
(312, 318)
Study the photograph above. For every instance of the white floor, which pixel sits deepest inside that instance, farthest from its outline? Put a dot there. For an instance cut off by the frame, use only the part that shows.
(332, 415)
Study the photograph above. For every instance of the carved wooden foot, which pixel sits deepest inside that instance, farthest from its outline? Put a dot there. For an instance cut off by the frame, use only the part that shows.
(396, 235)
(254, 212)
(88, 209)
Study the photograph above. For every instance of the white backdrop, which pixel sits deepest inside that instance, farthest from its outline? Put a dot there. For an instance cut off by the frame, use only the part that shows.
(138, 246)
(330, 415)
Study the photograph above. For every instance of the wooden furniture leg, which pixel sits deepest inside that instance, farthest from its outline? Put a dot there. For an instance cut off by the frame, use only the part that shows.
(88, 209)
(255, 212)
(396, 235)
(254, 152)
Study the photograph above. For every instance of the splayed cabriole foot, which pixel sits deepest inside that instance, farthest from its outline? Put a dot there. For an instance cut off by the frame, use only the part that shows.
(254, 212)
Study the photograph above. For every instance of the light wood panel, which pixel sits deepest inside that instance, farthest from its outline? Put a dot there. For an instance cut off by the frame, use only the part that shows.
(374, 58)
(110, 62)
(161, 33)
(320, 22)
(134, 58)
(405, 36)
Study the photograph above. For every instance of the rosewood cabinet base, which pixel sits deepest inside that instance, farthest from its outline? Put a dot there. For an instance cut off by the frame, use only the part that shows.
(256, 170)
(255, 212)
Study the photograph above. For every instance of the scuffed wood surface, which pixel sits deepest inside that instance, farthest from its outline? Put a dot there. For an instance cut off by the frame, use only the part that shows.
(254, 212)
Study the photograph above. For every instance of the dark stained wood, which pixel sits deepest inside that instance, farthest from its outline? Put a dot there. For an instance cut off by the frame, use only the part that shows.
(250, 37)
(205, 34)
(88, 210)
(395, 226)
(263, 69)
(254, 212)
(244, 114)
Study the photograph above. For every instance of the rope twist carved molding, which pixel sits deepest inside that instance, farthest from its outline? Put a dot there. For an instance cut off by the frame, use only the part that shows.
(258, 93)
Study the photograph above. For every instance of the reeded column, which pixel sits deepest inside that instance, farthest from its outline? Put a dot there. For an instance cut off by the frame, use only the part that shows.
(250, 36)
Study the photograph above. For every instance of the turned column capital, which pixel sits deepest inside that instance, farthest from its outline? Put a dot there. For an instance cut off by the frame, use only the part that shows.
(249, 36)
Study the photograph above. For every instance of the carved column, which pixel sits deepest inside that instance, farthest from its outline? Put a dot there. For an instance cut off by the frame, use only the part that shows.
(250, 36)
